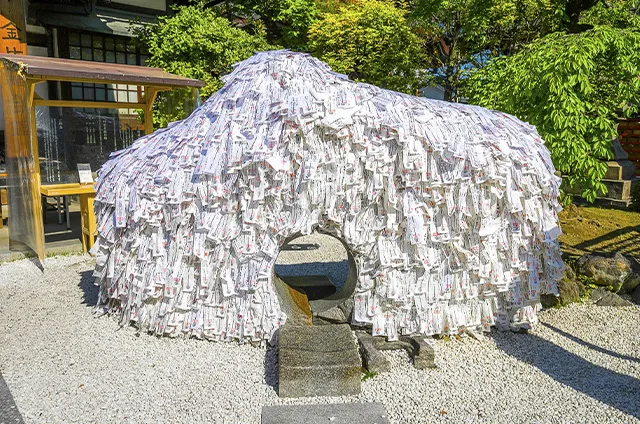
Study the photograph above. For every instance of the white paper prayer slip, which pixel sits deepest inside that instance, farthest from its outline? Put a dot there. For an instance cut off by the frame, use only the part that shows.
(449, 210)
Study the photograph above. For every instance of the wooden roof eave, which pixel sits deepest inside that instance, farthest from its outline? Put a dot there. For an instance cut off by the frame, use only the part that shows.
(37, 69)
(154, 84)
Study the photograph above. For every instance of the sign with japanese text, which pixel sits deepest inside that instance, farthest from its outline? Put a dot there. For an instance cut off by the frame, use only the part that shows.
(84, 173)
(10, 37)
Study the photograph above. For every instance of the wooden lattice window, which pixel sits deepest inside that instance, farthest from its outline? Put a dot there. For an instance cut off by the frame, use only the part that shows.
(104, 48)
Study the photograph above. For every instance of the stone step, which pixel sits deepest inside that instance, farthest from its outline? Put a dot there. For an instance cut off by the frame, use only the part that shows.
(332, 413)
(318, 360)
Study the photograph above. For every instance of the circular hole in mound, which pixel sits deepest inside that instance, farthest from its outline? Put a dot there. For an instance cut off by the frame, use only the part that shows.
(316, 264)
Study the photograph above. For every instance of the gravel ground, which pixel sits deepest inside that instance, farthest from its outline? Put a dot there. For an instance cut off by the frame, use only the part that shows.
(63, 365)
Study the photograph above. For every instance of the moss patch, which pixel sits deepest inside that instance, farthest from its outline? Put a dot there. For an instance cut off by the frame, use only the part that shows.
(589, 229)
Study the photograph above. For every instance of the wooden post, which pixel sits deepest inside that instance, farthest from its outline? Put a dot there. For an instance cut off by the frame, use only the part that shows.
(25, 226)
(88, 225)
(35, 175)
(150, 94)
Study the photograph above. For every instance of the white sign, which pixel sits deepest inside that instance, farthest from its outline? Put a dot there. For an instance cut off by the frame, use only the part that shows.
(84, 173)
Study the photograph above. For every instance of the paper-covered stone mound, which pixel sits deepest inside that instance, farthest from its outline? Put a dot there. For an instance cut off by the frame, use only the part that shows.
(449, 210)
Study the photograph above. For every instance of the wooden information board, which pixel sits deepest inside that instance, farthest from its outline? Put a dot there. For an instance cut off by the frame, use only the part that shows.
(10, 37)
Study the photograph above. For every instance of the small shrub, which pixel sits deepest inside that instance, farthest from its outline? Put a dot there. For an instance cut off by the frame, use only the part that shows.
(368, 374)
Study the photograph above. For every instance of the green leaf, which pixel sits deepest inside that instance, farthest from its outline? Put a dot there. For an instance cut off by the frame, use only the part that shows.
(575, 102)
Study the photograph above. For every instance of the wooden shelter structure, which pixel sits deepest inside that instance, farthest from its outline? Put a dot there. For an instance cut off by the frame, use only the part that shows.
(19, 75)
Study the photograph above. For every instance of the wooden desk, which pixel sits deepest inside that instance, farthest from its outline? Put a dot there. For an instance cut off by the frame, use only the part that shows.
(87, 193)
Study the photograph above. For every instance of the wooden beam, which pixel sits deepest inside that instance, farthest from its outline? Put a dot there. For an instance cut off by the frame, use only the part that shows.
(158, 84)
(95, 105)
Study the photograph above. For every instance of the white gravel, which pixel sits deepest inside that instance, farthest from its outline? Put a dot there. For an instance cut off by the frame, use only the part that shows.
(64, 365)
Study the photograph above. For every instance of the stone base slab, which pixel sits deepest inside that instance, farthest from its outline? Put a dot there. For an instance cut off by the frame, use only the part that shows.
(619, 190)
(335, 413)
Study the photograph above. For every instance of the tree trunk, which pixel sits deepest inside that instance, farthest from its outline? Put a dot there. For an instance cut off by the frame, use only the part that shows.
(448, 91)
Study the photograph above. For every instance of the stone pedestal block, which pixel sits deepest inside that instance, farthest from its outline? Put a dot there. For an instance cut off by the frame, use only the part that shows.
(620, 170)
(372, 359)
(618, 190)
(319, 360)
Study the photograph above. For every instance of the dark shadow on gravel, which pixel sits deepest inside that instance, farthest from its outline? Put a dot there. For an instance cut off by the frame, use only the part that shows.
(590, 345)
(271, 363)
(28, 252)
(617, 390)
(34, 260)
(9, 412)
(89, 290)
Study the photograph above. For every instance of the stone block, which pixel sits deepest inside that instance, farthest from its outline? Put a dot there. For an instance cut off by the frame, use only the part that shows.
(618, 151)
(633, 280)
(333, 315)
(372, 359)
(603, 297)
(605, 269)
(618, 190)
(419, 350)
(620, 170)
(318, 360)
(569, 288)
(423, 353)
(334, 413)
(613, 204)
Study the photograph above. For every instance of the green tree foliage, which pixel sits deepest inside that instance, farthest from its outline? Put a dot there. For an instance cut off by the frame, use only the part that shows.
(464, 34)
(370, 41)
(572, 87)
(197, 43)
(286, 22)
(614, 13)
